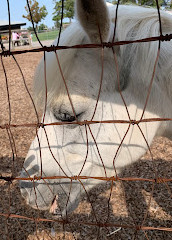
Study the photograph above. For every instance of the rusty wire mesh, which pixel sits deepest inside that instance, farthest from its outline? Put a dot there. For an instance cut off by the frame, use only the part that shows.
(9, 126)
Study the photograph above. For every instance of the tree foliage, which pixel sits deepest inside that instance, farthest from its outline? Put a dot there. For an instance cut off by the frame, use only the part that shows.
(125, 1)
(38, 13)
(43, 26)
(68, 11)
(30, 29)
(151, 3)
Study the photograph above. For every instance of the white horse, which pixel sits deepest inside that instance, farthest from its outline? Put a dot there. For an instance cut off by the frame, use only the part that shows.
(74, 149)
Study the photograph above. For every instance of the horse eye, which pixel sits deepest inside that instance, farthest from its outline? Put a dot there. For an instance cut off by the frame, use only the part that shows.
(64, 116)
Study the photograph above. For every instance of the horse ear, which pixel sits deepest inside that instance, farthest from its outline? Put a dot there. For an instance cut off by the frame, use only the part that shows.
(94, 18)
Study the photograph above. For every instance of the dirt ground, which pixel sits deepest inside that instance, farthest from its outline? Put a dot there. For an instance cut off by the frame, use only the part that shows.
(129, 202)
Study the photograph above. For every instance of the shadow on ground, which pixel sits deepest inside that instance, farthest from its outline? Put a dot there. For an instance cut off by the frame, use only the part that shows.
(128, 206)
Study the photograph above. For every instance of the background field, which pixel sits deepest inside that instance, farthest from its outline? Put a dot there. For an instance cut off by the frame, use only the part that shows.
(45, 35)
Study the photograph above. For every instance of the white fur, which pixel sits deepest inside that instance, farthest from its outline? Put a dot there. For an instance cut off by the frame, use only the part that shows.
(82, 72)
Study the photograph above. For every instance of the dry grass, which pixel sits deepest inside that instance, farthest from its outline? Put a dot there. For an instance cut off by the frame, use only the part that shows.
(129, 200)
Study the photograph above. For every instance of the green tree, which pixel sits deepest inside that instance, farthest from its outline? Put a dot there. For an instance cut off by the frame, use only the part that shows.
(68, 11)
(151, 3)
(30, 28)
(42, 27)
(125, 2)
(38, 13)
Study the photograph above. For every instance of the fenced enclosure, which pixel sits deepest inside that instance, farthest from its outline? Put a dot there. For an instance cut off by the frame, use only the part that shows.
(133, 204)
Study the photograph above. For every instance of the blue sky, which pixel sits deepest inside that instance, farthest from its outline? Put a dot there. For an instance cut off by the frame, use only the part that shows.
(17, 10)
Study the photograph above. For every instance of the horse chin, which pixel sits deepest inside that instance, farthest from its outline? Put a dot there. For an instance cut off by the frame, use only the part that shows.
(34, 202)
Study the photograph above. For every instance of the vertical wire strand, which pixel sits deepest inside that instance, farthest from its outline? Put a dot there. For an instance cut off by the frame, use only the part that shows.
(116, 17)
(101, 81)
(86, 156)
(9, 20)
(66, 87)
(98, 151)
(31, 18)
(46, 91)
(61, 22)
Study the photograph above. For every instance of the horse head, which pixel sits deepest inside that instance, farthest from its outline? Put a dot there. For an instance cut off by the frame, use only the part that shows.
(85, 84)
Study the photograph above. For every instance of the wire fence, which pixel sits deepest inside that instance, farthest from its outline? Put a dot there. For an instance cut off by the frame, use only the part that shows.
(107, 224)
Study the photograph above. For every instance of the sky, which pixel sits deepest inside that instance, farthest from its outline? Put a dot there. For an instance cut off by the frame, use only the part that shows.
(17, 10)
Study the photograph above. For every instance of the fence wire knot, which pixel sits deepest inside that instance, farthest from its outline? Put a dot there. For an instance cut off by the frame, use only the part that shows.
(74, 178)
(54, 47)
(107, 44)
(138, 228)
(7, 179)
(46, 49)
(42, 125)
(134, 122)
(37, 178)
(166, 37)
(6, 53)
(6, 126)
(159, 180)
(115, 179)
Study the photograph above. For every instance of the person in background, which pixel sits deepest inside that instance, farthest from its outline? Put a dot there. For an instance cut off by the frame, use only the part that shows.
(15, 38)
(18, 37)
(31, 35)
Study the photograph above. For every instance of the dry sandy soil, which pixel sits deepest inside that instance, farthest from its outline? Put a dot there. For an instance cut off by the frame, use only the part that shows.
(129, 200)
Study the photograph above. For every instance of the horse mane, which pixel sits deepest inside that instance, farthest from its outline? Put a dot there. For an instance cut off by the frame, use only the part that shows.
(133, 23)
(139, 23)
